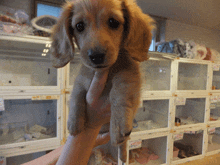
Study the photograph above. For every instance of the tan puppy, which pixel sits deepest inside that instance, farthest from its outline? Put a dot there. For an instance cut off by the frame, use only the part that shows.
(113, 35)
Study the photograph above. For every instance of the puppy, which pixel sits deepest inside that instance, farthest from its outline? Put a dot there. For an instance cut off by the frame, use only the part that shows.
(113, 35)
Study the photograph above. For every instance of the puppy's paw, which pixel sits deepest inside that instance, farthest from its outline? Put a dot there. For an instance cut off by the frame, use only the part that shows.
(75, 127)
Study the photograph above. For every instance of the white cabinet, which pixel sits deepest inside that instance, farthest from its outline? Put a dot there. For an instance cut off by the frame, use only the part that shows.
(180, 103)
(190, 145)
(192, 76)
(191, 112)
(156, 75)
(153, 116)
(30, 123)
(20, 159)
(25, 65)
(31, 97)
(152, 150)
(213, 139)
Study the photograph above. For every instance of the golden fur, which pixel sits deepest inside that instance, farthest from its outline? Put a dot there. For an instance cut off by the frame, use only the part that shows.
(123, 48)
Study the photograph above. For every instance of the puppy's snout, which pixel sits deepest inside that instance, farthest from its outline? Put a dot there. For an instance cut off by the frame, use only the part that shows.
(96, 57)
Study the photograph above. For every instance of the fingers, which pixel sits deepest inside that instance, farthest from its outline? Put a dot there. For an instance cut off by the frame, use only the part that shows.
(102, 139)
(97, 86)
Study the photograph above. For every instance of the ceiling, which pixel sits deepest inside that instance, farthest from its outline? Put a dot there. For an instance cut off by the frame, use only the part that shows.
(204, 13)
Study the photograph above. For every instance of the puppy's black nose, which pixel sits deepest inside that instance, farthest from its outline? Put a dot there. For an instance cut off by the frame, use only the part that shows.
(96, 57)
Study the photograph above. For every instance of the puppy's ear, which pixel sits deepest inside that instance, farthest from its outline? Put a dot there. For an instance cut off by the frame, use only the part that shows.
(62, 47)
(137, 30)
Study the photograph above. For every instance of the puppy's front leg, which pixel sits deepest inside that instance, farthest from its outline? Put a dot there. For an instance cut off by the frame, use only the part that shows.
(124, 98)
(76, 120)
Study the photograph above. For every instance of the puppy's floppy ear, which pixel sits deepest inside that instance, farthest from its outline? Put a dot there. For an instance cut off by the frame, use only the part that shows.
(62, 47)
(137, 30)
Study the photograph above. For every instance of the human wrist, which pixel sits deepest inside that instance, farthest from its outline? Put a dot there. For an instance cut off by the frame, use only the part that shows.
(93, 127)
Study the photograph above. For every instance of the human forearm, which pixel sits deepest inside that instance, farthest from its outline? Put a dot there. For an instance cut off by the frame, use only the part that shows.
(77, 150)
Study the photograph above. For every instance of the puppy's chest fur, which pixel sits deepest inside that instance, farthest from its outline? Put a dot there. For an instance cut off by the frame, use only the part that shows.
(125, 71)
(122, 87)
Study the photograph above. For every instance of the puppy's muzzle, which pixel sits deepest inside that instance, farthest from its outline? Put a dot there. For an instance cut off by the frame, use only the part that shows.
(96, 57)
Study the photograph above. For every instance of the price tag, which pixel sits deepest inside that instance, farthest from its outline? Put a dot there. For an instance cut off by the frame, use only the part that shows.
(215, 99)
(135, 144)
(211, 130)
(180, 101)
(215, 67)
(218, 98)
(43, 97)
(2, 160)
(2, 106)
(212, 106)
(178, 136)
(141, 103)
(190, 132)
(212, 99)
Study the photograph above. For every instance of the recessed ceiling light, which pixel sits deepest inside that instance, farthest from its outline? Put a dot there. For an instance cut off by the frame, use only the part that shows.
(46, 50)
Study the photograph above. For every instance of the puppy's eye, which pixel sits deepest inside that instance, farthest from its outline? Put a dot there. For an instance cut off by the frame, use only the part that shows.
(80, 26)
(114, 24)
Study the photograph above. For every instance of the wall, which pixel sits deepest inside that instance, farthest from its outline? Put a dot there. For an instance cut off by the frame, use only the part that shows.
(174, 30)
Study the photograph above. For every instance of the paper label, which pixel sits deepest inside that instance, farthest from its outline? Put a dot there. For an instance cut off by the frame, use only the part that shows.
(135, 144)
(190, 132)
(141, 103)
(43, 97)
(215, 67)
(178, 136)
(212, 106)
(218, 98)
(212, 99)
(215, 99)
(2, 105)
(2, 160)
(211, 130)
(180, 101)
(193, 132)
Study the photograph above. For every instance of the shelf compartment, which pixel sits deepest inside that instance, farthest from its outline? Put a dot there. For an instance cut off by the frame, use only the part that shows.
(27, 120)
(192, 76)
(190, 111)
(27, 72)
(153, 115)
(213, 139)
(17, 160)
(154, 148)
(190, 145)
(214, 108)
(214, 112)
(216, 77)
(156, 75)
(30, 58)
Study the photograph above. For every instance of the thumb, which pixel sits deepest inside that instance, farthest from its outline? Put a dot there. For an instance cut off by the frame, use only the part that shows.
(102, 138)
(97, 86)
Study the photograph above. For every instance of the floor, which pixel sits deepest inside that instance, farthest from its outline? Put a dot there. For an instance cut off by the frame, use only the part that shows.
(209, 160)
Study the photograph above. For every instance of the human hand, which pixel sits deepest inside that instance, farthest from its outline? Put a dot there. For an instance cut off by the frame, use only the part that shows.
(102, 139)
(98, 107)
